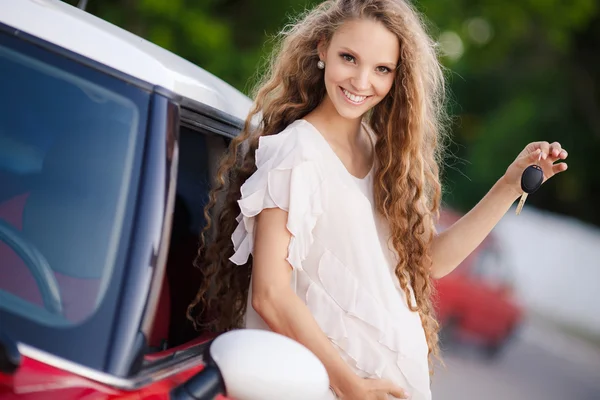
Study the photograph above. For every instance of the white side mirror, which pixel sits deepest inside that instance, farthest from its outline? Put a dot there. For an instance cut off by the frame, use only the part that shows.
(262, 365)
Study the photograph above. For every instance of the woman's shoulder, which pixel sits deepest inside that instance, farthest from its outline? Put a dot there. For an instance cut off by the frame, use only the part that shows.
(294, 144)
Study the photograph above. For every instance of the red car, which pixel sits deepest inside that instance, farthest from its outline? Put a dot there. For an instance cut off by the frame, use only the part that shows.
(107, 146)
(475, 301)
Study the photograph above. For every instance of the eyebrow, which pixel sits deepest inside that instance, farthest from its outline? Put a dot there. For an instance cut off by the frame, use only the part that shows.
(391, 64)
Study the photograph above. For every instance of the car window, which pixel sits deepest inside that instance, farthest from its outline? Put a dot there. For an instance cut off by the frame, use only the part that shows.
(66, 150)
(199, 154)
(193, 180)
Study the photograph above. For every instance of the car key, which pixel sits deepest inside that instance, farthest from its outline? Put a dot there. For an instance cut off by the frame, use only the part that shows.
(531, 180)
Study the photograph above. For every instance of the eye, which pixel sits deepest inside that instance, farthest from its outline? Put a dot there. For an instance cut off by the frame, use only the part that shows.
(384, 70)
(347, 57)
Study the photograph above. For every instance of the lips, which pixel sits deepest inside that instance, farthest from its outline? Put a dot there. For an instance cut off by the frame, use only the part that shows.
(353, 98)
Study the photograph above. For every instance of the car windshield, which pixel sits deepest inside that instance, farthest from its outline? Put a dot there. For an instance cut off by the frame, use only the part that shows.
(67, 144)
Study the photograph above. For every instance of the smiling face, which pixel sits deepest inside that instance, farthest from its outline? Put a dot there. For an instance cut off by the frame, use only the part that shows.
(360, 66)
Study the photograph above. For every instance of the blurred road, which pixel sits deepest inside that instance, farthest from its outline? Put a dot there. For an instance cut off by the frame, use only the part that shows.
(540, 364)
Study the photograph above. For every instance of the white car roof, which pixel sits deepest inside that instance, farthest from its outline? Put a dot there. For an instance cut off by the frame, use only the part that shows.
(83, 33)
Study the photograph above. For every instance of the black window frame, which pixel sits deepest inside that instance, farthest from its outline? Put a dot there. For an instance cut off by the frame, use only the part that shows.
(203, 120)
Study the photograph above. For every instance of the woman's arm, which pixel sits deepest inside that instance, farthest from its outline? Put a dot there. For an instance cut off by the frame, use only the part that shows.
(284, 312)
(278, 305)
(452, 246)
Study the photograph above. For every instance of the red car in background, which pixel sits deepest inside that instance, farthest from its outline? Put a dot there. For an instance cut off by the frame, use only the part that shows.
(475, 302)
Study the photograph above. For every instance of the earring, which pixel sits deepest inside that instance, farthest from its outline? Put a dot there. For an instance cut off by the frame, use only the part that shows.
(321, 64)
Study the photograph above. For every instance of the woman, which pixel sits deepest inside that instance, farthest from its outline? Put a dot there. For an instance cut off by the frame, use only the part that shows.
(336, 198)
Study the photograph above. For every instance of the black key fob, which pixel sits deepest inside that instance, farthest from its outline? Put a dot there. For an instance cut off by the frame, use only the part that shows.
(532, 178)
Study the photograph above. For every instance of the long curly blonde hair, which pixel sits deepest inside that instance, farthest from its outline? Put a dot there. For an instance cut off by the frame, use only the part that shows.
(408, 124)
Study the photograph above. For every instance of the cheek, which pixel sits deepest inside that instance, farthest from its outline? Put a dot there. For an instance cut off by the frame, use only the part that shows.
(383, 86)
(336, 73)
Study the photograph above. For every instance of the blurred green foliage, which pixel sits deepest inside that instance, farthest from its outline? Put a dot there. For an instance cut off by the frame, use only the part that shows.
(518, 71)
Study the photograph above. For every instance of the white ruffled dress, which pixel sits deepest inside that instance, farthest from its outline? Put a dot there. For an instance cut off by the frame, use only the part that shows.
(343, 267)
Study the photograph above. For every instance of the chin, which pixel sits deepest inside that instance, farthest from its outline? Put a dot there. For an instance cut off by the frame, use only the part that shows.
(350, 113)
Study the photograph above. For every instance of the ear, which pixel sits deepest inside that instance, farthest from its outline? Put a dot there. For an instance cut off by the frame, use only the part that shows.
(322, 49)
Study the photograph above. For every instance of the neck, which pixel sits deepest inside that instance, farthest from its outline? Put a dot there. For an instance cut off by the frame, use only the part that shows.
(333, 125)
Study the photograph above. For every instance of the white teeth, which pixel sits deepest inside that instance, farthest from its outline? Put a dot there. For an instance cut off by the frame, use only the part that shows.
(354, 98)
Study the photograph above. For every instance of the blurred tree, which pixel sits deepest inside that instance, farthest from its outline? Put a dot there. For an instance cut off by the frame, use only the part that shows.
(529, 71)
(518, 71)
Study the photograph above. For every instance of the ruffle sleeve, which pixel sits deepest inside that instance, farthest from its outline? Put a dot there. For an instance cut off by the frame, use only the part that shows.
(287, 177)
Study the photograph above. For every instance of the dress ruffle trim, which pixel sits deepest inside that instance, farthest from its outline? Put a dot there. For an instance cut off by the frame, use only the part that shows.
(342, 290)
(287, 177)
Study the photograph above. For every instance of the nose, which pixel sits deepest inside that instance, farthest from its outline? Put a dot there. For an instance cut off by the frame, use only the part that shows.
(361, 80)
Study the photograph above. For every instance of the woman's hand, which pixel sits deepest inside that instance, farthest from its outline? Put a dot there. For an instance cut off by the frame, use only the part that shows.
(373, 389)
(550, 153)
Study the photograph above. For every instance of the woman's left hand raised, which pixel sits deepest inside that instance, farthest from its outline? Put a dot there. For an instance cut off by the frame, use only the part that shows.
(551, 153)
